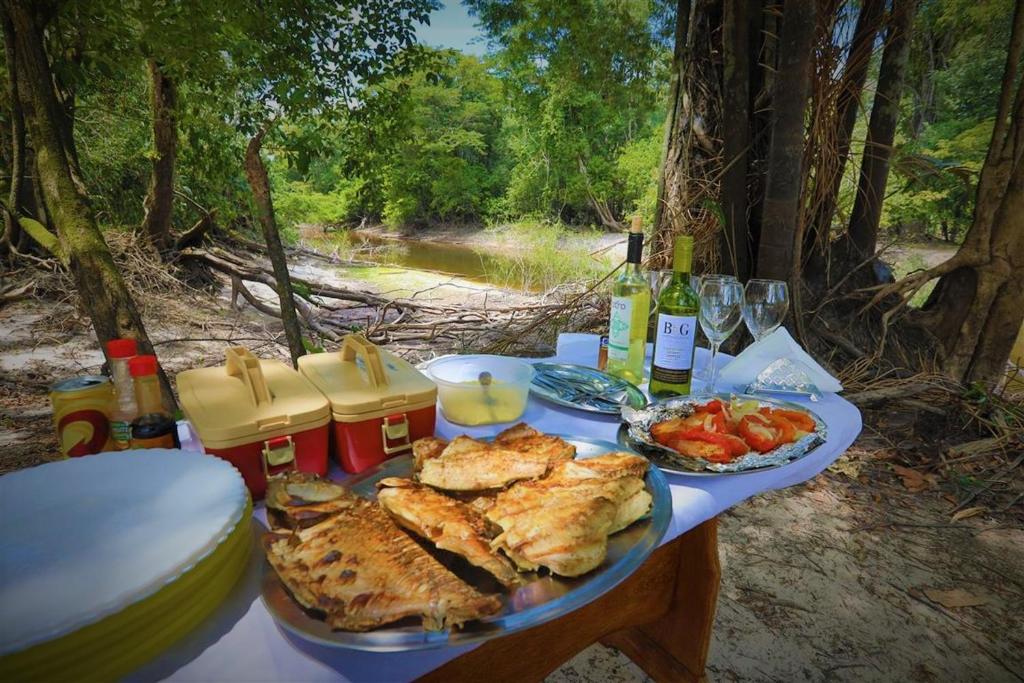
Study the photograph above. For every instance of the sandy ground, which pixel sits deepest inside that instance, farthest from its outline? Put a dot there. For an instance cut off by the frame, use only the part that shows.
(849, 577)
(837, 581)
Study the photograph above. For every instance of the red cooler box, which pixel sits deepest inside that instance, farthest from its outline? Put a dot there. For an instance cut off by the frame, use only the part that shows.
(260, 415)
(380, 403)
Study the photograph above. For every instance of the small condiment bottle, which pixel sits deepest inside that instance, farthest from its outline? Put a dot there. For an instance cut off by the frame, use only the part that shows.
(124, 409)
(154, 431)
(602, 353)
(154, 427)
(148, 398)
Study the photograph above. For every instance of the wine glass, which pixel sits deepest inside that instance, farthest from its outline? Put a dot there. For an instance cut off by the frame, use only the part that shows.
(704, 374)
(765, 303)
(720, 301)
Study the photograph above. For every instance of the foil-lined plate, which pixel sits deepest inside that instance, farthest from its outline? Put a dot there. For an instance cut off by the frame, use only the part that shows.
(635, 433)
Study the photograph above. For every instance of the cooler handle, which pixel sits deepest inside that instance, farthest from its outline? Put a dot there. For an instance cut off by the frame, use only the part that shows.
(242, 364)
(356, 344)
(277, 452)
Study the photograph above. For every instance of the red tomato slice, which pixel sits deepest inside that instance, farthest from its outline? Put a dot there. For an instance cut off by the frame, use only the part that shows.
(799, 419)
(713, 422)
(734, 445)
(711, 407)
(758, 432)
(702, 449)
(787, 432)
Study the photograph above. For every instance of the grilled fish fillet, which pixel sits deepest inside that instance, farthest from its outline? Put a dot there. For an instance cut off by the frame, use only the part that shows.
(362, 571)
(449, 524)
(563, 521)
(466, 464)
(607, 466)
(426, 448)
(301, 499)
(524, 438)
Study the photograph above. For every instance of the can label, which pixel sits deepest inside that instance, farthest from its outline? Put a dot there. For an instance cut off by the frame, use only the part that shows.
(81, 409)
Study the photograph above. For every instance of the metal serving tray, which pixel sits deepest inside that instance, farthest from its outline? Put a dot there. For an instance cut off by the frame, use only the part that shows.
(634, 433)
(584, 376)
(541, 598)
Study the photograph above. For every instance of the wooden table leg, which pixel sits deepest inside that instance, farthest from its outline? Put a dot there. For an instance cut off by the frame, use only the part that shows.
(674, 647)
(661, 617)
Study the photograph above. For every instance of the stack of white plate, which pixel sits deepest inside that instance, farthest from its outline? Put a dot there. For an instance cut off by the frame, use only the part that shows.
(106, 560)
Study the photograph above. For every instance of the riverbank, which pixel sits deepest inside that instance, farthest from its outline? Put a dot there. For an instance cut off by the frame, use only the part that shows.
(525, 256)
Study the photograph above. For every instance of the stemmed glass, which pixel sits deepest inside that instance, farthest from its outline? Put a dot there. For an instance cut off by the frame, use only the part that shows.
(765, 303)
(720, 301)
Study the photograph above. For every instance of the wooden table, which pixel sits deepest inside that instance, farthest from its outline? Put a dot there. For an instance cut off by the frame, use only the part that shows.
(661, 617)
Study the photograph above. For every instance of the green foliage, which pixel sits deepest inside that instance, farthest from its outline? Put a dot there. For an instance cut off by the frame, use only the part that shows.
(582, 80)
(956, 64)
(296, 202)
(547, 255)
(637, 170)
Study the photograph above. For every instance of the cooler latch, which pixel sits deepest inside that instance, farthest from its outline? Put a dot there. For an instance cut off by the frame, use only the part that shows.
(276, 452)
(395, 428)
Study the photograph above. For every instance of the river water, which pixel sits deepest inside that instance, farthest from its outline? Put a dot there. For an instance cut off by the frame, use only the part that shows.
(460, 260)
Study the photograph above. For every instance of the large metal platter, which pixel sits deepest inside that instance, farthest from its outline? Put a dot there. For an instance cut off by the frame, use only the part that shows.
(541, 599)
(636, 423)
(600, 381)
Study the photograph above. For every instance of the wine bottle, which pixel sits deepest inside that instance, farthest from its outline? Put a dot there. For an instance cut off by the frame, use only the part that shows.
(678, 306)
(631, 304)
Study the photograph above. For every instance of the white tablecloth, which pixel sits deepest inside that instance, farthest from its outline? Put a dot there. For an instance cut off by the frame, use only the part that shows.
(241, 642)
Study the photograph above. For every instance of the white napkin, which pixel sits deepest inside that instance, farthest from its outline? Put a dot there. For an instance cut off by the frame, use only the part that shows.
(744, 368)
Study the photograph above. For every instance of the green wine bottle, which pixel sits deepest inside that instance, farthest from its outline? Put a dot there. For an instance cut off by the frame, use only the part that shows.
(631, 306)
(678, 306)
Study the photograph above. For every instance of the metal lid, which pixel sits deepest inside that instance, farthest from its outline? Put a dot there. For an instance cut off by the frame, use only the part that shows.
(79, 383)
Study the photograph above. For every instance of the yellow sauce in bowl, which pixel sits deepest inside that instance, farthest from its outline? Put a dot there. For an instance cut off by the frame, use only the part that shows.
(471, 403)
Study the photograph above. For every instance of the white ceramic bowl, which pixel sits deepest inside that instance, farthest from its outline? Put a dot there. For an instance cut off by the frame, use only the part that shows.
(467, 401)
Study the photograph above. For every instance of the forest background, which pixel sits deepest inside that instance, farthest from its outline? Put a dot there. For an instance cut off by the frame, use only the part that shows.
(560, 123)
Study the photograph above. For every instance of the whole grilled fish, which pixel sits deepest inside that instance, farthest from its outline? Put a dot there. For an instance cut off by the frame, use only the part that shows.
(362, 572)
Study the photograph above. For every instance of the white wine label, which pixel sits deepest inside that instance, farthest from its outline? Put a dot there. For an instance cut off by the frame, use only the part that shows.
(618, 329)
(673, 348)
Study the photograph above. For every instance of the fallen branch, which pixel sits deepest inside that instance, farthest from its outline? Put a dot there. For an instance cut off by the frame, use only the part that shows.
(898, 391)
(9, 295)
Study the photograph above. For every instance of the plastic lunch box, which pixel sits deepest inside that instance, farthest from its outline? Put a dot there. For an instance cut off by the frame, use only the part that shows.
(260, 415)
(379, 402)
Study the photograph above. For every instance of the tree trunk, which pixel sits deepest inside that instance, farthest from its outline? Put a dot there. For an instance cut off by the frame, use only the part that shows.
(159, 202)
(885, 113)
(975, 310)
(20, 195)
(692, 156)
(777, 247)
(738, 63)
(101, 289)
(256, 172)
(833, 151)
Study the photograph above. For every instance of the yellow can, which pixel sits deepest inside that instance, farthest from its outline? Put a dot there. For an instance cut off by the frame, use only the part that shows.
(81, 414)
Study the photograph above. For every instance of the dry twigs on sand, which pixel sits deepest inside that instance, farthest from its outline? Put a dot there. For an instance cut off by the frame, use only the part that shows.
(330, 311)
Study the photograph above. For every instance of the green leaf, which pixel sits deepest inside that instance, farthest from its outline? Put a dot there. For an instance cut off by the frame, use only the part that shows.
(311, 347)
